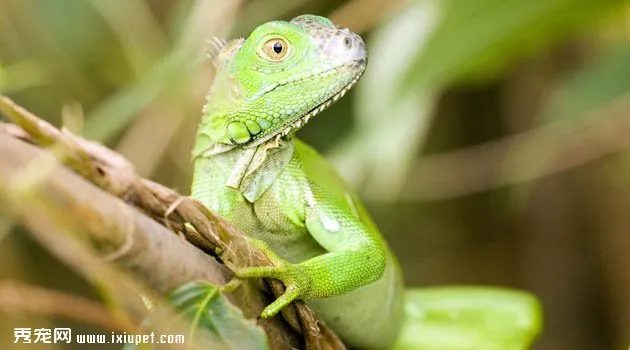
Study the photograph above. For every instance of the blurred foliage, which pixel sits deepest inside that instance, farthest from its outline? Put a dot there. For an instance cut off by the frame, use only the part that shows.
(504, 31)
(454, 318)
(446, 79)
(592, 87)
(434, 49)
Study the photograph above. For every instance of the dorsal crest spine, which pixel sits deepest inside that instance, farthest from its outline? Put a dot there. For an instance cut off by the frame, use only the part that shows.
(220, 50)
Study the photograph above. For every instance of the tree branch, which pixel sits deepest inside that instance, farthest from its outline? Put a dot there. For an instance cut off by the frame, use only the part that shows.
(153, 252)
(115, 229)
(19, 297)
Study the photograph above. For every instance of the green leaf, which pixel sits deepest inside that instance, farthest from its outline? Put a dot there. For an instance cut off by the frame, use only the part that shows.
(213, 317)
(457, 318)
(480, 37)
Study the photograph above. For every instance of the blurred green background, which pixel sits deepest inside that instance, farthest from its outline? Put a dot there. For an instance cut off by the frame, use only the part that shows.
(489, 138)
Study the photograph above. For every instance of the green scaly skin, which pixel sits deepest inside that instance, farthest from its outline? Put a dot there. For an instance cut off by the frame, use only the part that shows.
(250, 169)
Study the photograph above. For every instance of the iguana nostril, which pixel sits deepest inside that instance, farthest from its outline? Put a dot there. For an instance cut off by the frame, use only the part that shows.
(347, 43)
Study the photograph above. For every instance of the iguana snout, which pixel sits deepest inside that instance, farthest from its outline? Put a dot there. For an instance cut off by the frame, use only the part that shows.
(340, 44)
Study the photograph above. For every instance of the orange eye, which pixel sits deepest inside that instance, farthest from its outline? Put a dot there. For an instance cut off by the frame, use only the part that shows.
(275, 49)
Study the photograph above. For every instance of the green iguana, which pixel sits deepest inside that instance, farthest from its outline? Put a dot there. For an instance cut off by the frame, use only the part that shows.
(252, 170)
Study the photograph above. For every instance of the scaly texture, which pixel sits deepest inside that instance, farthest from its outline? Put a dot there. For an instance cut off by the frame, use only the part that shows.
(250, 169)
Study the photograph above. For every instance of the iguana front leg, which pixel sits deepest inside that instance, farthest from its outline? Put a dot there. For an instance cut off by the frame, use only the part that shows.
(355, 258)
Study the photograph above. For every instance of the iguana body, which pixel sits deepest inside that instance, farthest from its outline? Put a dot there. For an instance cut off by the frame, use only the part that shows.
(250, 169)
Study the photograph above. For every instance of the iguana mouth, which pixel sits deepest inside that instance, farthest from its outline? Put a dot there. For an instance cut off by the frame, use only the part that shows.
(299, 122)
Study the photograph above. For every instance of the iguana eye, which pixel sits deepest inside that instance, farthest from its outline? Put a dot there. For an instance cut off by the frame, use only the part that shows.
(275, 49)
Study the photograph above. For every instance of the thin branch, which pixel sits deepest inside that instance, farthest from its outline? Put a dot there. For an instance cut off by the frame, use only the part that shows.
(18, 297)
(521, 158)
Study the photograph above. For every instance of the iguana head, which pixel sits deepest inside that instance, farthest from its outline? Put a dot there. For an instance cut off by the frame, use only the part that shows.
(271, 83)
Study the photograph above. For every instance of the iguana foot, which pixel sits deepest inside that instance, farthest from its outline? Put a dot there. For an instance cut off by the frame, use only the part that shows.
(291, 275)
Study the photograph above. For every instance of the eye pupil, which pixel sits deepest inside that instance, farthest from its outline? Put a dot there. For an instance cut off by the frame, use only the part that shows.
(277, 47)
(347, 42)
